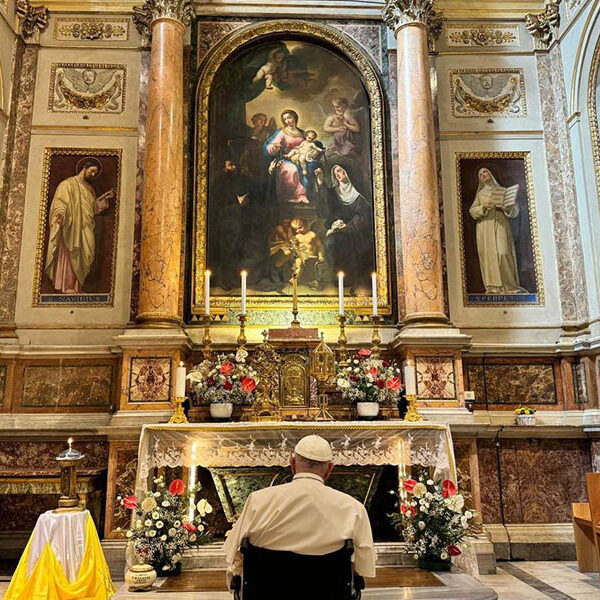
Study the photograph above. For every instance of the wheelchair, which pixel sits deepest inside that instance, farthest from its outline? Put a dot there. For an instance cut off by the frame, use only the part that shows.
(282, 575)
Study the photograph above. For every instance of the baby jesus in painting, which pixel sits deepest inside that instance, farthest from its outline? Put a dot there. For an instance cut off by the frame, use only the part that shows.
(309, 250)
(308, 151)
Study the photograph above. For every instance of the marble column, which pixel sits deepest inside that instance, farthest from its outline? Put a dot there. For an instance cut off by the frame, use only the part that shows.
(162, 207)
(413, 21)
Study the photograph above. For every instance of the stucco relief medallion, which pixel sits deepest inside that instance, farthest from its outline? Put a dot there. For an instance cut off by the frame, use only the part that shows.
(86, 87)
(488, 93)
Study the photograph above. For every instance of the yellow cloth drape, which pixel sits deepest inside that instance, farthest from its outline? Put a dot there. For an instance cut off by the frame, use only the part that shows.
(49, 582)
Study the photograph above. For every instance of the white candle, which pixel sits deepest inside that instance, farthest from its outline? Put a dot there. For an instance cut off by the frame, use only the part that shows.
(374, 286)
(409, 379)
(207, 292)
(244, 275)
(341, 292)
(180, 381)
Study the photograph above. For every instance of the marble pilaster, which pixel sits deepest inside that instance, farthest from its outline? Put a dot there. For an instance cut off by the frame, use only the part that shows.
(162, 209)
(413, 21)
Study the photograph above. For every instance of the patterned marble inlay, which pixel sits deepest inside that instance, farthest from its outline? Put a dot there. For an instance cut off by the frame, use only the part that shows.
(12, 216)
(495, 36)
(125, 472)
(87, 87)
(477, 93)
(563, 201)
(436, 379)
(2, 383)
(63, 386)
(108, 29)
(150, 379)
(580, 382)
(595, 454)
(515, 383)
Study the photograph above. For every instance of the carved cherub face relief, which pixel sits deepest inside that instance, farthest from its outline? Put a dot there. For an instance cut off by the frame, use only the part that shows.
(487, 82)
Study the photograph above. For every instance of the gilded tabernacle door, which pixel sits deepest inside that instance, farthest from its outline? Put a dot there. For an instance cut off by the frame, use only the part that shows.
(290, 171)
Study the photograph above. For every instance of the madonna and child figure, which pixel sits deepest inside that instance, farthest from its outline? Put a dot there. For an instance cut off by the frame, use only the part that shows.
(296, 137)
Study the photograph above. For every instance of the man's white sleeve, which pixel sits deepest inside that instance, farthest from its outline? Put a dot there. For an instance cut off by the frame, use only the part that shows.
(364, 551)
(234, 539)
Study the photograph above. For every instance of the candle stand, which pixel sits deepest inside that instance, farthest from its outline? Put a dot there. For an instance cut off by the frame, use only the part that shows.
(376, 339)
(412, 414)
(68, 460)
(207, 342)
(241, 339)
(342, 347)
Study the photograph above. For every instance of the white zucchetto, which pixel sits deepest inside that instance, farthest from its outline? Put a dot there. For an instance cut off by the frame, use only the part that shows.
(314, 447)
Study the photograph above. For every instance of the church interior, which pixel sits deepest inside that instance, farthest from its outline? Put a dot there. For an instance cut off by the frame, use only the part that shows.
(215, 213)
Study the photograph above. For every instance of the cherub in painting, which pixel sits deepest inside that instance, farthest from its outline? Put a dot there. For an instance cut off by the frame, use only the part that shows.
(274, 70)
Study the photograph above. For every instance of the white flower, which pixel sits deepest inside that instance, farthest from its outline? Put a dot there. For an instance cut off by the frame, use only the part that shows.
(165, 503)
(166, 567)
(419, 490)
(156, 494)
(204, 508)
(156, 515)
(193, 537)
(159, 524)
(200, 527)
(138, 525)
(148, 523)
(421, 525)
(241, 355)
(355, 361)
(444, 555)
(163, 538)
(177, 524)
(148, 504)
(152, 533)
(455, 503)
(172, 532)
(430, 482)
(343, 383)
(469, 514)
(130, 534)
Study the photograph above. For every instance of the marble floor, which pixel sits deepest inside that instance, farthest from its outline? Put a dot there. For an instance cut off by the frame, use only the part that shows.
(520, 580)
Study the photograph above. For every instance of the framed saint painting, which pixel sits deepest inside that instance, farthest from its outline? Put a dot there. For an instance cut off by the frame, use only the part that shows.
(500, 255)
(78, 221)
(290, 171)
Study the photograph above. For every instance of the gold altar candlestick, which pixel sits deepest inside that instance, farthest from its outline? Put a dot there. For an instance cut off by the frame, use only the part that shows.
(207, 342)
(376, 339)
(178, 415)
(241, 339)
(295, 322)
(342, 349)
(412, 413)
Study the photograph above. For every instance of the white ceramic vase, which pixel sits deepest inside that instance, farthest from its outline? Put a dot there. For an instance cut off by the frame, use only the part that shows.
(367, 409)
(221, 410)
(139, 578)
(525, 419)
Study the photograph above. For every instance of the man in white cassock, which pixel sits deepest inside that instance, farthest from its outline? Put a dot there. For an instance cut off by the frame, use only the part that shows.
(71, 243)
(304, 516)
(495, 243)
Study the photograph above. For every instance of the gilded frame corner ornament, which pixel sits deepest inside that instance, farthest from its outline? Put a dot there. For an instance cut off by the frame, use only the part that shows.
(535, 239)
(42, 223)
(368, 73)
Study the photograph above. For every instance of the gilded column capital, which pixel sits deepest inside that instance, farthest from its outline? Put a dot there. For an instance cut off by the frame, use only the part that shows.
(541, 25)
(152, 10)
(398, 13)
(32, 19)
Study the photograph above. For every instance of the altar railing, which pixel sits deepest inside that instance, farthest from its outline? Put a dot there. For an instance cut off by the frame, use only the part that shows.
(396, 443)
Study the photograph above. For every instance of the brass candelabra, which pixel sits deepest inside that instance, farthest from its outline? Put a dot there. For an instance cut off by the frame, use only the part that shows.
(412, 414)
(376, 339)
(207, 342)
(178, 415)
(342, 347)
(241, 339)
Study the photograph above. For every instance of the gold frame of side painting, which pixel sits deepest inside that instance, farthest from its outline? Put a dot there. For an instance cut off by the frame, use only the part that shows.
(103, 299)
(366, 71)
(487, 300)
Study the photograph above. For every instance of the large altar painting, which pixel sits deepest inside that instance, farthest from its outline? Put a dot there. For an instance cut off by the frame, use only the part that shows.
(289, 178)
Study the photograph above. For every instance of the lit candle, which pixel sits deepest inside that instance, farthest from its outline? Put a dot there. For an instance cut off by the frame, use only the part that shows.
(341, 292)
(374, 286)
(409, 379)
(207, 292)
(244, 275)
(180, 381)
(70, 442)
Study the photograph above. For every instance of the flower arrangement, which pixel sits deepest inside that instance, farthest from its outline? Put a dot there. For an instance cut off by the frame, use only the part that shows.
(369, 379)
(162, 527)
(228, 380)
(524, 410)
(433, 519)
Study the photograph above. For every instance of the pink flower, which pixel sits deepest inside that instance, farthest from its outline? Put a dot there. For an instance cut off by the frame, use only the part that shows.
(189, 527)
(177, 487)
(453, 550)
(394, 384)
(248, 384)
(226, 367)
(364, 352)
(409, 485)
(373, 371)
(130, 502)
(448, 488)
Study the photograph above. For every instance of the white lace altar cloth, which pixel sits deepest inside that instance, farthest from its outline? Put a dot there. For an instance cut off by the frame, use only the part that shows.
(271, 444)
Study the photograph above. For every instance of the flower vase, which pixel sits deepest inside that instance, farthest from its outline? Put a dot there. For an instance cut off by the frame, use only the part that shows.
(221, 411)
(139, 578)
(432, 563)
(367, 410)
(525, 419)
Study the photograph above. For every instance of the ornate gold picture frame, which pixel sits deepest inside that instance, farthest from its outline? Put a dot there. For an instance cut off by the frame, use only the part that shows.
(333, 41)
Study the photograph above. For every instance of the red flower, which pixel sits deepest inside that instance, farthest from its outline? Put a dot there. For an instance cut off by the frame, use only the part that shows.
(177, 487)
(394, 384)
(409, 485)
(385, 364)
(189, 527)
(405, 509)
(354, 379)
(414, 511)
(210, 381)
(373, 371)
(226, 367)
(228, 385)
(248, 384)
(364, 352)
(453, 550)
(130, 502)
(380, 383)
(448, 488)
